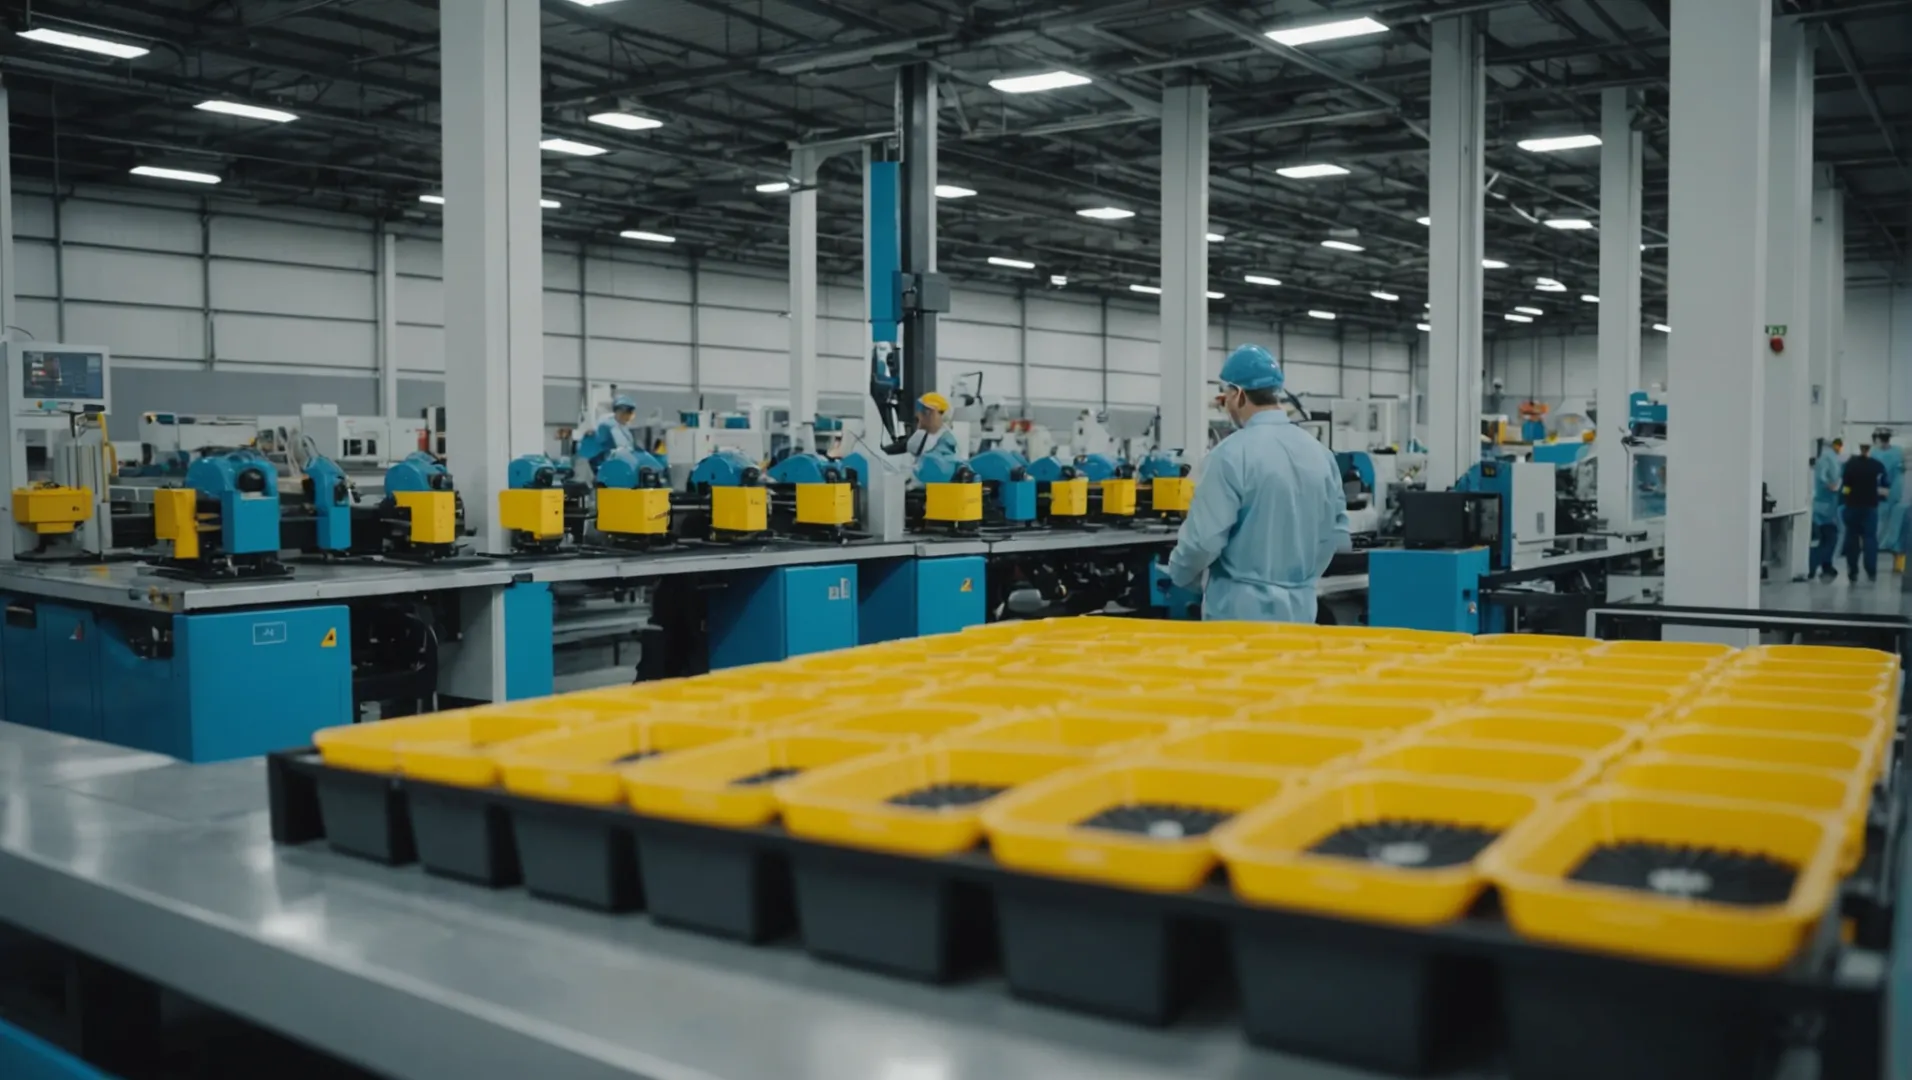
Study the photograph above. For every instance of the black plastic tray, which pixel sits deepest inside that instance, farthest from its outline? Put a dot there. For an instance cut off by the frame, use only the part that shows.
(1402, 1000)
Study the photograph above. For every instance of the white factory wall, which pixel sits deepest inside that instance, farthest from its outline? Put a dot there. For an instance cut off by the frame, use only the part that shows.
(235, 308)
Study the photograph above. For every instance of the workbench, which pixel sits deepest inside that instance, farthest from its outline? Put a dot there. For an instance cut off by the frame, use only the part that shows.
(168, 871)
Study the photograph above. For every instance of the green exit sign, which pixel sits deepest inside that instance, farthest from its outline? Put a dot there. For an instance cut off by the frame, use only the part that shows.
(1776, 330)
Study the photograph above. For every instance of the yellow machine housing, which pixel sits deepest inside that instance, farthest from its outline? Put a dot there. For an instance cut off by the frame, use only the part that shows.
(434, 515)
(634, 511)
(1069, 498)
(1118, 497)
(50, 509)
(538, 513)
(825, 504)
(739, 509)
(953, 502)
(176, 519)
(1171, 495)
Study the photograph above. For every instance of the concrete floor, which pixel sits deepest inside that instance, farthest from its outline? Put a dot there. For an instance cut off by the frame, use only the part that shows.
(1861, 598)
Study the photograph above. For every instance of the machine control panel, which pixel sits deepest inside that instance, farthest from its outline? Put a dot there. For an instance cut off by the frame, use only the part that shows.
(54, 380)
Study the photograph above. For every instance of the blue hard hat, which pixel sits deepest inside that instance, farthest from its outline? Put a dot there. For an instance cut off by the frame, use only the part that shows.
(1252, 367)
(624, 401)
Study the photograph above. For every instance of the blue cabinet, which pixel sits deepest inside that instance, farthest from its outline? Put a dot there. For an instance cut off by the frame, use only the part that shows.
(254, 681)
(1426, 590)
(73, 688)
(767, 615)
(530, 664)
(904, 598)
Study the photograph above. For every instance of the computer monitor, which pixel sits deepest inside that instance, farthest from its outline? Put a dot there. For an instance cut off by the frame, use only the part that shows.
(61, 378)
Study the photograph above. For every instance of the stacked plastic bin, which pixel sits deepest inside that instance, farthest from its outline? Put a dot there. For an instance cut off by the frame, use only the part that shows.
(1685, 804)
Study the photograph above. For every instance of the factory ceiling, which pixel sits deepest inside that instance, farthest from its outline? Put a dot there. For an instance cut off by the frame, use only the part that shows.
(737, 83)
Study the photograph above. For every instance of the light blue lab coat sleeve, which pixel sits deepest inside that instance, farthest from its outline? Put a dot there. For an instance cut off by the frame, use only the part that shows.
(1335, 537)
(1212, 517)
(1825, 489)
(1892, 511)
(946, 443)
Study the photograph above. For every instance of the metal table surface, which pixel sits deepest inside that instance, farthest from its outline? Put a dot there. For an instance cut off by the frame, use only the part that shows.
(1064, 539)
(168, 870)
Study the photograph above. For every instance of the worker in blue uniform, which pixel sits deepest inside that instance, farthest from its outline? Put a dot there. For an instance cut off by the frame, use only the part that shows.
(932, 434)
(1892, 510)
(1825, 511)
(613, 432)
(1269, 512)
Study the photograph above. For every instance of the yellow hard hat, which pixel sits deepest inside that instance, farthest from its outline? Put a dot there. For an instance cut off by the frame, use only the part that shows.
(933, 400)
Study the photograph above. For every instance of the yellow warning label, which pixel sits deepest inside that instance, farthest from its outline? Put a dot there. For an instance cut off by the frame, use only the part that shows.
(969, 585)
(331, 639)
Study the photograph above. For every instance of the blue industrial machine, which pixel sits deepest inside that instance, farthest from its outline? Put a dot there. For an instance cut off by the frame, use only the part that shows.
(633, 500)
(329, 496)
(1061, 490)
(1009, 493)
(1430, 590)
(1563, 455)
(420, 514)
(239, 492)
(1646, 418)
(731, 486)
(542, 504)
(811, 493)
(1164, 486)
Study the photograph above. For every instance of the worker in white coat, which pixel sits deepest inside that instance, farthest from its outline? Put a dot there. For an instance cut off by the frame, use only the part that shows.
(1892, 539)
(1269, 512)
(613, 432)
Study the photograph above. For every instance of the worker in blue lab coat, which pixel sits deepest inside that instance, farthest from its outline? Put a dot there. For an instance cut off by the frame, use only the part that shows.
(932, 434)
(1269, 512)
(1892, 511)
(613, 432)
(1825, 510)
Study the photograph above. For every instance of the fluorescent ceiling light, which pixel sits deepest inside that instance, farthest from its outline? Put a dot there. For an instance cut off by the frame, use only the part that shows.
(1342, 245)
(652, 237)
(1422, 327)
(1106, 213)
(774, 187)
(1530, 311)
(1492, 264)
(1319, 314)
(1258, 279)
(1559, 142)
(46, 36)
(1213, 295)
(951, 191)
(1662, 328)
(187, 175)
(1424, 220)
(1152, 290)
(592, 3)
(1547, 284)
(1216, 238)
(1511, 317)
(1311, 172)
(250, 112)
(572, 146)
(1589, 298)
(1383, 294)
(1570, 224)
(435, 200)
(625, 121)
(1327, 31)
(1035, 84)
(549, 204)
(1013, 264)
(1058, 280)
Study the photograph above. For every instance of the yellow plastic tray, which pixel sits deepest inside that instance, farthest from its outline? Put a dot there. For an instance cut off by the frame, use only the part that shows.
(1662, 650)
(1401, 692)
(1635, 668)
(852, 687)
(1082, 677)
(1531, 864)
(711, 783)
(1006, 697)
(1079, 732)
(1186, 708)
(1280, 748)
(1542, 643)
(1792, 697)
(1820, 656)
(1266, 850)
(1549, 769)
(1621, 704)
(1864, 725)
(581, 766)
(1755, 679)
(439, 744)
(1517, 727)
(916, 721)
(1038, 828)
(1370, 717)
(1763, 747)
(1820, 791)
(1594, 683)
(849, 804)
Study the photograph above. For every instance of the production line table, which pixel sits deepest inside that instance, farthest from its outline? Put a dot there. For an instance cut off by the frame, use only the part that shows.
(168, 870)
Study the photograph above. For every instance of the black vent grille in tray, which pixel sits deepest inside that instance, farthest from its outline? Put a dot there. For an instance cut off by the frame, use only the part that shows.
(1160, 821)
(1699, 873)
(1409, 845)
(943, 796)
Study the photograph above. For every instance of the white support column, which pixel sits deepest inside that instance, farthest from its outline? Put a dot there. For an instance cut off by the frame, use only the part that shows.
(1788, 426)
(387, 323)
(13, 456)
(1184, 271)
(1716, 282)
(1456, 126)
(803, 298)
(1828, 295)
(494, 252)
(1619, 352)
